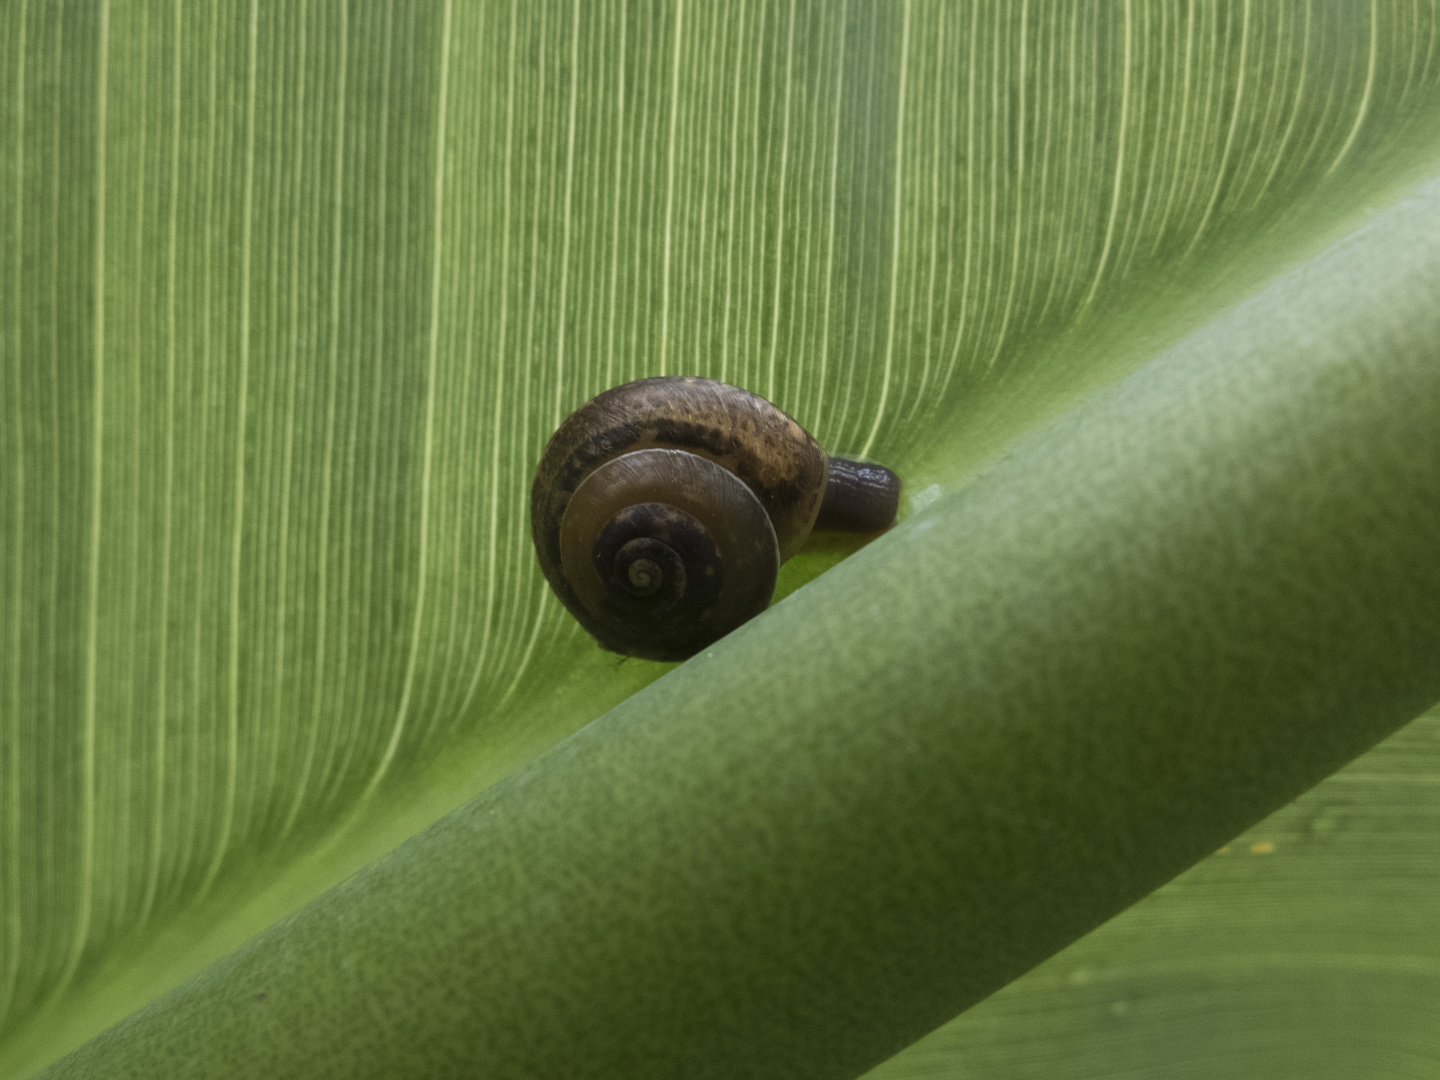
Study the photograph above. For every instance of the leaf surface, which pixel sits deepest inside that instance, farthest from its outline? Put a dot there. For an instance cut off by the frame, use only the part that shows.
(1002, 723)
(293, 296)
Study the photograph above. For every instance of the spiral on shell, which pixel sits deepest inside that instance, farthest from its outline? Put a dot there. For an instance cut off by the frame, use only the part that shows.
(662, 510)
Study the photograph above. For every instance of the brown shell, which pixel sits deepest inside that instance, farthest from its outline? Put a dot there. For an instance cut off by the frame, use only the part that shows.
(696, 517)
(776, 458)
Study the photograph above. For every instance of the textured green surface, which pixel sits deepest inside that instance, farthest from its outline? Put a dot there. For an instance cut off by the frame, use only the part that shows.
(292, 294)
(1187, 603)
(1307, 948)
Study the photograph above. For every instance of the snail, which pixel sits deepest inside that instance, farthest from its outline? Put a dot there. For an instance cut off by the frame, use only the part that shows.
(662, 510)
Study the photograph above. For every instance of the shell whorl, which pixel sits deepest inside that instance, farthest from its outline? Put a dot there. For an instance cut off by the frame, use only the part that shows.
(673, 442)
(666, 552)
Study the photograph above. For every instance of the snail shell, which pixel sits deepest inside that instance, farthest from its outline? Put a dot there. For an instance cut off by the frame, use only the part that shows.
(662, 510)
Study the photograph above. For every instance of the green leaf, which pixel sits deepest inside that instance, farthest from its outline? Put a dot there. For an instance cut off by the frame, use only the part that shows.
(1305, 948)
(1000, 724)
(294, 294)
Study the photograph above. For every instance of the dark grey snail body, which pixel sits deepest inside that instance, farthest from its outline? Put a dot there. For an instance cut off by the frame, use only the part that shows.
(662, 510)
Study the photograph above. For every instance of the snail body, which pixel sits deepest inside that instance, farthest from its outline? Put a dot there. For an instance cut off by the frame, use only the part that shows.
(662, 510)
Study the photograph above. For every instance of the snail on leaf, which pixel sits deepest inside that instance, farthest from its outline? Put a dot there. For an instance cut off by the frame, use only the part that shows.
(662, 510)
